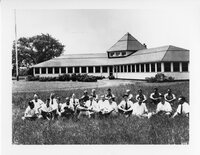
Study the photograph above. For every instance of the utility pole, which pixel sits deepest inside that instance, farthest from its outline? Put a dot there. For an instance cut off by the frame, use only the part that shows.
(16, 53)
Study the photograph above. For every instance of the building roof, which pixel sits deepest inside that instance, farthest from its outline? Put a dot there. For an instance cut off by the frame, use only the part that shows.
(127, 43)
(159, 54)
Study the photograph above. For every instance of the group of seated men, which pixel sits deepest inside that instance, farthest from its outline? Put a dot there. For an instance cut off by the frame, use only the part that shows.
(93, 106)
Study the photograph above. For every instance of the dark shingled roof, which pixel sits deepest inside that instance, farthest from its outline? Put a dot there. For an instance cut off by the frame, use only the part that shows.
(127, 43)
(159, 54)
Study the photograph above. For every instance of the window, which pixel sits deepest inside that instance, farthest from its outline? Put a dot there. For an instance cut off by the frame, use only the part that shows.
(129, 68)
(142, 67)
(122, 69)
(63, 69)
(153, 67)
(90, 69)
(137, 67)
(167, 67)
(83, 69)
(147, 67)
(185, 66)
(43, 70)
(133, 68)
(111, 54)
(123, 53)
(117, 53)
(105, 69)
(70, 70)
(159, 67)
(56, 70)
(176, 67)
(76, 69)
(37, 71)
(97, 69)
(125, 68)
(50, 70)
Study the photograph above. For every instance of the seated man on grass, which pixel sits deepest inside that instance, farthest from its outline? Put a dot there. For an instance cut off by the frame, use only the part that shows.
(74, 101)
(141, 95)
(85, 96)
(110, 94)
(109, 108)
(140, 109)
(87, 108)
(130, 96)
(155, 96)
(67, 108)
(126, 106)
(94, 95)
(169, 96)
(30, 112)
(37, 103)
(163, 107)
(183, 107)
(45, 110)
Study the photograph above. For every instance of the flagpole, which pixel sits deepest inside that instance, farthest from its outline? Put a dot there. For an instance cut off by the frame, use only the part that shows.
(16, 52)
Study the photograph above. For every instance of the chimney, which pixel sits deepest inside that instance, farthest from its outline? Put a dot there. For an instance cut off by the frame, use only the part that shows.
(145, 45)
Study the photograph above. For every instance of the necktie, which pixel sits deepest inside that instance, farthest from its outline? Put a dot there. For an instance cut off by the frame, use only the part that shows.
(126, 105)
(181, 108)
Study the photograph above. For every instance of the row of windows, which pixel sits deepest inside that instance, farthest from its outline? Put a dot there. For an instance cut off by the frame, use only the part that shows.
(123, 53)
(91, 69)
(119, 68)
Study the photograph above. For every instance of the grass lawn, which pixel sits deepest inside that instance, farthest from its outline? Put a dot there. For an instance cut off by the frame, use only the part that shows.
(120, 130)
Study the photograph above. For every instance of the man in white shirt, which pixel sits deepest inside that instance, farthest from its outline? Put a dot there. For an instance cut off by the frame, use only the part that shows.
(126, 106)
(46, 110)
(88, 108)
(169, 96)
(183, 107)
(67, 108)
(54, 106)
(155, 96)
(94, 95)
(109, 108)
(37, 103)
(130, 96)
(30, 112)
(141, 95)
(163, 107)
(140, 109)
(74, 101)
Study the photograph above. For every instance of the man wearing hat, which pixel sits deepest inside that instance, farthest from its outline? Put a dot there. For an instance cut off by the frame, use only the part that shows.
(140, 109)
(30, 112)
(37, 103)
(126, 106)
(130, 96)
(67, 108)
(183, 107)
(110, 94)
(155, 96)
(141, 95)
(163, 106)
(88, 108)
(85, 96)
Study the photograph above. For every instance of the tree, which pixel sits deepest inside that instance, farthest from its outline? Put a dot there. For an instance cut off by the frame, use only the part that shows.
(36, 49)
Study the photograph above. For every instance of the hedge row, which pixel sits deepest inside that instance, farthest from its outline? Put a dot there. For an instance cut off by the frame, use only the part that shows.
(67, 77)
(159, 77)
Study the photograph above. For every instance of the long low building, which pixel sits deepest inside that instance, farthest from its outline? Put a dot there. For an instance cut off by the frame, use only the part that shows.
(126, 59)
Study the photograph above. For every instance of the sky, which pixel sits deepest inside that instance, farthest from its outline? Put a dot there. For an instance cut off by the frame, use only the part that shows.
(95, 31)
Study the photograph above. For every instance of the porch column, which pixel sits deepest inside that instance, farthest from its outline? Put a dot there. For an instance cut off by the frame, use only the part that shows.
(59, 70)
(87, 70)
(150, 67)
(46, 70)
(139, 67)
(162, 67)
(172, 67)
(180, 67)
(40, 70)
(80, 70)
(66, 70)
(145, 68)
(53, 70)
(135, 68)
(94, 71)
(156, 67)
(73, 69)
(34, 71)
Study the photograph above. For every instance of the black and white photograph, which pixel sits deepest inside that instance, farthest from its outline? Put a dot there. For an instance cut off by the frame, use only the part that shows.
(100, 76)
